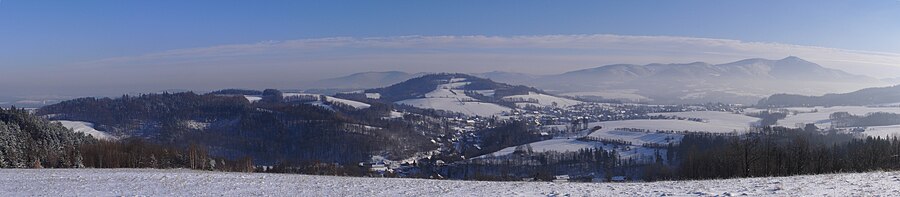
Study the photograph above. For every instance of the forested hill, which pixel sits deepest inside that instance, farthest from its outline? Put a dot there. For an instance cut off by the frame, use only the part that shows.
(270, 130)
(30, 141)
(418, 87)
(868, 96)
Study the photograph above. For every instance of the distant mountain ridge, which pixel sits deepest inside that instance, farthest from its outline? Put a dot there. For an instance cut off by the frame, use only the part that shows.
(868, 96)
(790, 68)
(507, 77)
(745, 81)
(364, 80)
(368, 80)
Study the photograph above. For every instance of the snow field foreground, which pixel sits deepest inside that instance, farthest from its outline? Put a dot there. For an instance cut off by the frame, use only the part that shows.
(151, 182)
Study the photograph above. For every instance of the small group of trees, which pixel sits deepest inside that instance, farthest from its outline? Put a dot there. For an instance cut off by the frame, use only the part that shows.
(302, 98)
(606, 140)
(768, 118)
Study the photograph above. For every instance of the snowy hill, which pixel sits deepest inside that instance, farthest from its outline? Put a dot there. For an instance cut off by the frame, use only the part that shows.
(420, 87)
(465, 94)
(365, 80)
(315, 99)
(451, 96)
(148, 182)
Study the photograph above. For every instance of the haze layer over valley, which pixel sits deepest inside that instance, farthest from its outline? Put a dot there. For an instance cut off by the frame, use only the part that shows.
(744, 81)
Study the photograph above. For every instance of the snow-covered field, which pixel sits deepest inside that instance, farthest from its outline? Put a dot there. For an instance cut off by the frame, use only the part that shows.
(713, 122)
(883, 131)
(571, 144)
(546, 100)
(253, 98)
(86, 128)
(639, 138)
(373, 95)
(456, 105)
(724, 119)
(674, 125)
(820, 115)
(149, 182)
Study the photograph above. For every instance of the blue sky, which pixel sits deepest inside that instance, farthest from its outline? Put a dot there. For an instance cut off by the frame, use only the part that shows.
(47, 36)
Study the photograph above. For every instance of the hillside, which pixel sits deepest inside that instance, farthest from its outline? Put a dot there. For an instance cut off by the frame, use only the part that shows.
(868, 96)
(420, 86)
(148, 182)
(270, 129)
(465, 94)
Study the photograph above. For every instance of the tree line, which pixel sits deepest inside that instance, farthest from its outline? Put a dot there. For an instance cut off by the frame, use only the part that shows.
(28, 141)
(781, 151)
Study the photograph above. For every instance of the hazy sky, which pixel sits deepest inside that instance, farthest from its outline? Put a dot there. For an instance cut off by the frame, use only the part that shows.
(83, 48)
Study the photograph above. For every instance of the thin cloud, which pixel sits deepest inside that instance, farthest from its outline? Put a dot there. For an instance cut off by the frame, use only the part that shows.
(286, 64)
(640, 48)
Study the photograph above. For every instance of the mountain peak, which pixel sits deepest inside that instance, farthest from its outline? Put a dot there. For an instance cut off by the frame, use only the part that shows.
(793, 58)
(379, 73)
(797, 63)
